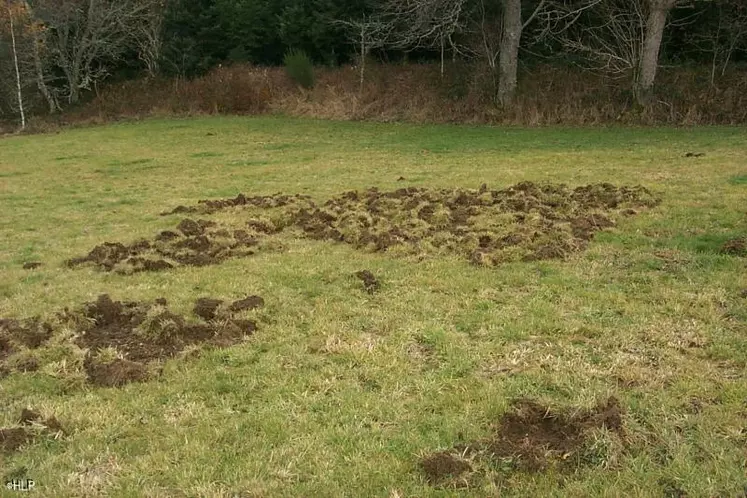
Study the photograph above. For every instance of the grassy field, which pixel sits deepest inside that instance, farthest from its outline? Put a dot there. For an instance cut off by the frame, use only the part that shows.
(343, 393)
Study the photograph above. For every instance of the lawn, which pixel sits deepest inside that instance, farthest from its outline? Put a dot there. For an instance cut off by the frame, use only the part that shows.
(411, 389)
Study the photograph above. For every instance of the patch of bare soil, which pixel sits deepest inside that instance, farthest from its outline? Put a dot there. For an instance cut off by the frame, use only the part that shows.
(370, 282)
(488, 227)
(122, 338)
(735, 247)
(533, 438)
(443, 466)
(32, 425)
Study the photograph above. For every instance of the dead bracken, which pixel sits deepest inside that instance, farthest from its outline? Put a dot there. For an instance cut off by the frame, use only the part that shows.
(525, 222)
(121, 340)
(533, 438)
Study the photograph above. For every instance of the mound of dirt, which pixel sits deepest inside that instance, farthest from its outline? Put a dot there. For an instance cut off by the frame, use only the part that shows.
(735, 247)
(526, 222)
(442, 466)
(370, 282)
(198, 246)
(15, 335)
(532, 438)
(122, 338)
(262, 201)
(13, 438)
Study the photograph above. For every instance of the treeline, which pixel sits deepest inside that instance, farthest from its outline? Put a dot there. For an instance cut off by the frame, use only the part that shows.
(55, 53)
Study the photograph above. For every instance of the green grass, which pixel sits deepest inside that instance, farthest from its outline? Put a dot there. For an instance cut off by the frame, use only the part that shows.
(340, 393)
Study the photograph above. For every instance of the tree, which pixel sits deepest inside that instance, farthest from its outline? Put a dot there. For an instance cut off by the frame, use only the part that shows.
(656, 21)
(367, 33)
(429, 24)
(148, 34)
(720, 32)
(12, 9)
(619, 37)
(85, 37)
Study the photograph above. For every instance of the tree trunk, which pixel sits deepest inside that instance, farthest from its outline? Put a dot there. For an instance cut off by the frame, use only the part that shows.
(509, 52)
(40, 80)
(18, 72)
(655, 24)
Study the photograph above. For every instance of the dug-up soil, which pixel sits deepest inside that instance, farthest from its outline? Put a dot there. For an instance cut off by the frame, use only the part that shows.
(30, 426)
(488, 227)
(120, 341)
(530, 438)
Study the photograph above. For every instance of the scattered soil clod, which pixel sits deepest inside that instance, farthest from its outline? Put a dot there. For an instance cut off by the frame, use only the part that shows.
(533, 438)
(116, 373)
(13, 438)
(526, 221)
(695, 154)
(120, 340)
(735, 247)
(32, 265)
(206, 308)
(370, 282)
(442, 466)
(249, 303)
(533, 435)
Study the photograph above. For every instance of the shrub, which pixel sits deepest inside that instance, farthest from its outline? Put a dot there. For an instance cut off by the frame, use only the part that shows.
(299, 68)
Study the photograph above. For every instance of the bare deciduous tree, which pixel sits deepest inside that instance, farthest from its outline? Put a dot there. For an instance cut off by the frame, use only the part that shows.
(428, 24)
(729, 35)
(148, 34)
(11, 9)
(621, 37)
(84, 37)
(367, 33)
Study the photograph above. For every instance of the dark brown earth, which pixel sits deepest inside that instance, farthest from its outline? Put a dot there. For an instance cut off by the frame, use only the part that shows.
(262, 201)
(439, 467)
(200, 245)
(32, 265)
(140, 333)
(12, 438)
(537, 437)
(29, 333)
(249, 303)
(370, 282)
(206, 308)
(735, 247)
(534, 438)
(526, 222)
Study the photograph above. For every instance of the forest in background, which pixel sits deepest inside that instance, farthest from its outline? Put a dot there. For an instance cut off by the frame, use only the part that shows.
(497, 61)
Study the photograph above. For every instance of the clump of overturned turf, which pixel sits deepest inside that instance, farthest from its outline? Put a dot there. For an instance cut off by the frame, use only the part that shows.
(121, 339)
(735, 247)
(31, 424)
(525, 222)
(370, 282)
(197, 245)
(534, 438)
(442, 466)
